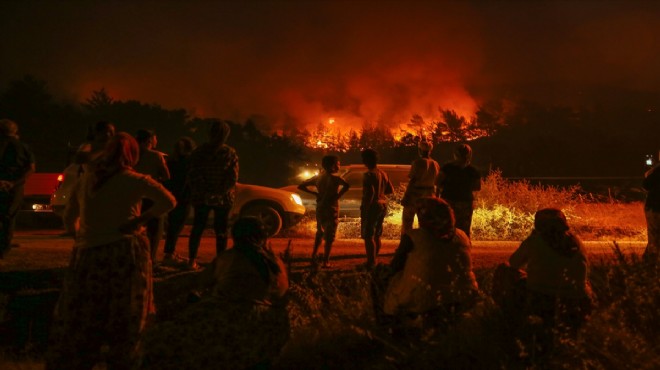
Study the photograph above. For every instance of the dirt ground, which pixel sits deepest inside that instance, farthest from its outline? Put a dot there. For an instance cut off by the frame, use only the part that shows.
(44, 249)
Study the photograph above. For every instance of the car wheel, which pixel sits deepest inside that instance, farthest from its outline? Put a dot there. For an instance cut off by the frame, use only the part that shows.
(268, 215)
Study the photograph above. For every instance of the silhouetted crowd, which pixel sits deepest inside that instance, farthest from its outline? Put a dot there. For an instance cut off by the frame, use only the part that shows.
(126, 189)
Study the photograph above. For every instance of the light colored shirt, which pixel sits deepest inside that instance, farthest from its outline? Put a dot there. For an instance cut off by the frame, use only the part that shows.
(436, 272)
(119, 200)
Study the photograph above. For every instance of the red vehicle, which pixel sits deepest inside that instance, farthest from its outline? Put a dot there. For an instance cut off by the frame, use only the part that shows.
(38, 189)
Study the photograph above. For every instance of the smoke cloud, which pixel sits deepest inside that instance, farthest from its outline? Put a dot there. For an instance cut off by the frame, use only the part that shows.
(301, 63)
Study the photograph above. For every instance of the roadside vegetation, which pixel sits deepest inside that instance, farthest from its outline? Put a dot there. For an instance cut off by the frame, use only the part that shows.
(333, 328)
(505, 211)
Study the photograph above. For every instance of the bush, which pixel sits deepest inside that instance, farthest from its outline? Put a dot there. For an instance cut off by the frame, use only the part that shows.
(505, 211)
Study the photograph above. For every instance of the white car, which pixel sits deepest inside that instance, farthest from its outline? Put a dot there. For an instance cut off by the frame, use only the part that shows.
(277, 208)
(349, 203)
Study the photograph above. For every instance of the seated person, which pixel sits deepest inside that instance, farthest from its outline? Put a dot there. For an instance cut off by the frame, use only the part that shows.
(557, 268)
(432, 268)
(242, 323)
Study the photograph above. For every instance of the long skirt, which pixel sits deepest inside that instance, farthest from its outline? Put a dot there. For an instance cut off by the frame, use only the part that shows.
(106, 299)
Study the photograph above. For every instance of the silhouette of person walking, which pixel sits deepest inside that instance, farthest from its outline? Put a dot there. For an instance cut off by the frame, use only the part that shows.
(423, 177)
(457, 182)
(212, 177)
(327, 204)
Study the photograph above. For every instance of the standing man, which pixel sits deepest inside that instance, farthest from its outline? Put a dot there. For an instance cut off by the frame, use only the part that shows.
(16, 164)
(152, 163)
(457, 182)
(329, 188)
(212, 178)
(375, 186)
(423, 176)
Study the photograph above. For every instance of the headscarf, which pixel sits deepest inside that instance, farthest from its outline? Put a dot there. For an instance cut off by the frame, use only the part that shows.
(551, 225)
(250, 238)
(436, 215)
(122, 152)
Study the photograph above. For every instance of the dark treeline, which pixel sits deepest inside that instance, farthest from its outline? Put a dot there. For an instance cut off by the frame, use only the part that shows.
(523, 138)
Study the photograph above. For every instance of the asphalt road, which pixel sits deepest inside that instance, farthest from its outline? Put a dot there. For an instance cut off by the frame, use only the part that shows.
(44, 249)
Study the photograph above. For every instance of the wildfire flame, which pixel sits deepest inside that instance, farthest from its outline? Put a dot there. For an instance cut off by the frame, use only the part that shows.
(336, 134)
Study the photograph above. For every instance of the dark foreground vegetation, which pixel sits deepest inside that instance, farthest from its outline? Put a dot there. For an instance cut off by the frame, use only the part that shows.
(333, 326)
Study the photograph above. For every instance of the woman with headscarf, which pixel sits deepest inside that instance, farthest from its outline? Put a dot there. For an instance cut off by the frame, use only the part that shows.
(241, 323)
(557, 269)
(432, 267)
(107, 294)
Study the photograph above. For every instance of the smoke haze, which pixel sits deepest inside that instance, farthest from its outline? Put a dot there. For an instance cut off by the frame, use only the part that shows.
(301, 63)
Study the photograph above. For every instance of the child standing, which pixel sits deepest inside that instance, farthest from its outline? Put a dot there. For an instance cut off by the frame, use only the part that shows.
(375, 185)
(328, 192)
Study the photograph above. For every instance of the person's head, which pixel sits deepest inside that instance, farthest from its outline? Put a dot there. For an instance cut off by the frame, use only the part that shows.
(550, 221)
(330, 163)
(183, 147)
(249, 231)
(146, 138)
(8, 128)
(101, 132)
(370, 158)
(463, 153)
(218, 132)
(122, 151)
(551, 225)
(424, 148)
(436, 215)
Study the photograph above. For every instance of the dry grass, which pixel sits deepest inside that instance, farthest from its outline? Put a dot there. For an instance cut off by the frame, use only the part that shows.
(505, 211)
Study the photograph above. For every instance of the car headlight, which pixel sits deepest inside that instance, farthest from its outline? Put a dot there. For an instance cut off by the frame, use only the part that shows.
(296, 199)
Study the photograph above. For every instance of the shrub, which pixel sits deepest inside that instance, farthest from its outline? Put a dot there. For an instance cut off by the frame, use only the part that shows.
(505, 211)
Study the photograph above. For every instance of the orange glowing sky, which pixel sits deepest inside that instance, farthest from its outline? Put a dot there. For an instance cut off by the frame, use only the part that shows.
(303, 62)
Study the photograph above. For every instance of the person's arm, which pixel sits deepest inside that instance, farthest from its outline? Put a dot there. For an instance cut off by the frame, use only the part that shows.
(83, 153)
(163, 202)
(652, 179)
(368, 190)
(476, 181)
(401, 254)
(305, 184)
(163, 170)
(439, 182)
(520, 257)
(344, 187)
(72, 209)
(232, 170)
(412, 175)
(389, 188)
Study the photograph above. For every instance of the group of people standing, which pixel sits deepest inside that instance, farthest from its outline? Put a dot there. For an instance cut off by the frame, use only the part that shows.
(203, 178)
(107, 294)
(430, 277)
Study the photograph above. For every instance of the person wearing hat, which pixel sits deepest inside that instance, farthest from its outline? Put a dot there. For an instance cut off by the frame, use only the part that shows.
(557, 269)
(423, 176)
(432, 267)
(457, 182)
